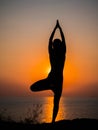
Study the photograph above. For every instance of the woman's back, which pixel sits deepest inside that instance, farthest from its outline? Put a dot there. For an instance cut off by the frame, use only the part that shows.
(57, 56)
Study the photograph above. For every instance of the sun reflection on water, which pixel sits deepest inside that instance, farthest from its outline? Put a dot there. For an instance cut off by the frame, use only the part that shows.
(48, 110)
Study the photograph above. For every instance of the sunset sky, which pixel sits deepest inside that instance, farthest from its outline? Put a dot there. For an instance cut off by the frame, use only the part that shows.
(25, 28)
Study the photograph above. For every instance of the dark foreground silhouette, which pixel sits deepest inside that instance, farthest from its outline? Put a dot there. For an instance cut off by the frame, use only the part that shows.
(54, 80)
(75, 124)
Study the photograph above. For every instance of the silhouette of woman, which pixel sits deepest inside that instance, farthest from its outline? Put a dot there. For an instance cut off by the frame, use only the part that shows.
(54, 80)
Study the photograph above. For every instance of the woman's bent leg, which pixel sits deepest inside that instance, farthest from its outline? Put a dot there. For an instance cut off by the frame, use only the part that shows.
(40, 85)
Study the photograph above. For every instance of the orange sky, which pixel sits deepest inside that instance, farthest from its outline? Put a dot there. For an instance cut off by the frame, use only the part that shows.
(25, 28)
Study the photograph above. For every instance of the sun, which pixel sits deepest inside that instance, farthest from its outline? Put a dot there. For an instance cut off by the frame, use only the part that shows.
(48, 69)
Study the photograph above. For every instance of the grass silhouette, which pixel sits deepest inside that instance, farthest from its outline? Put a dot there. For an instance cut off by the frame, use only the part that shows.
(32, 116)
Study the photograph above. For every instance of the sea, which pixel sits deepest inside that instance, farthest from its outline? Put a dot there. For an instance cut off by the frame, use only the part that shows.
(40, 109)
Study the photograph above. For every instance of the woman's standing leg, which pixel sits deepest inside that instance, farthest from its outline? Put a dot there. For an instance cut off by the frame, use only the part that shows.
(56, 105)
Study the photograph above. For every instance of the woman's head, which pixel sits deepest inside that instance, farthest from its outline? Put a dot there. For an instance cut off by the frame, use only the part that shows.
(56, 43)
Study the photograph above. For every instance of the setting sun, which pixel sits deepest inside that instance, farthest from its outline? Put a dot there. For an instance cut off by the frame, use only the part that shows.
(48, 69)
